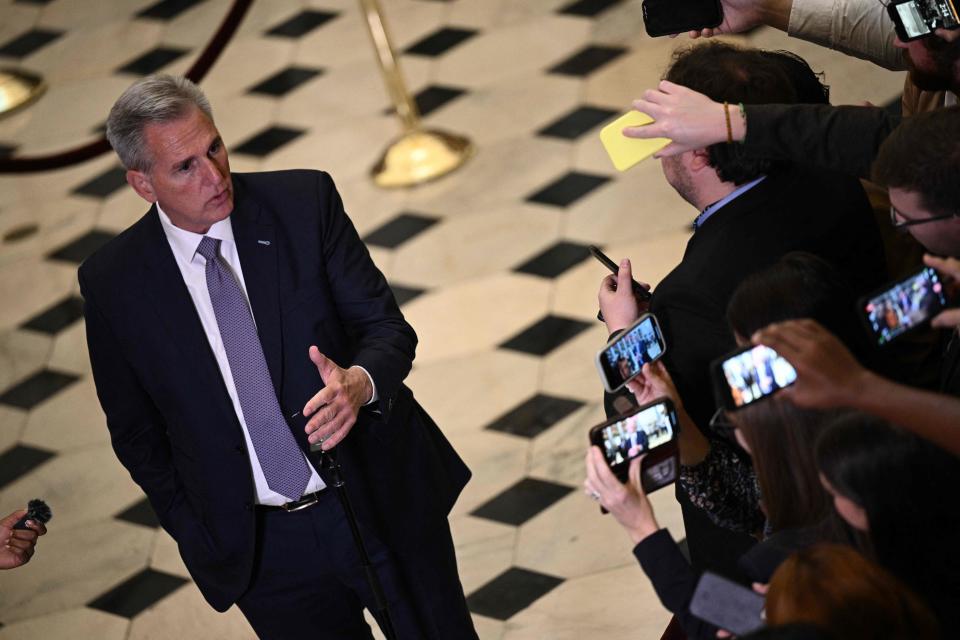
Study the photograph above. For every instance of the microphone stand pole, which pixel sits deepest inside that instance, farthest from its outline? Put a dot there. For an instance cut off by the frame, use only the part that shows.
(330, 464)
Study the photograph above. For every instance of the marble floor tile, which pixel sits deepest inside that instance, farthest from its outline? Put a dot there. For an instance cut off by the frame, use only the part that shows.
(479, 562)
(82, 486)
(73, 14)
(550, 544)
(17, 19)
(501, 461)
(57, 220)
(499, 240)
(21, 354)
(70, 350)
(476, 315)
(259, 57)
(52, 281)
(185, 614)
(501, 173)
(449, 388)
(72, 566)
(558, 454)
(67, 624)
(70, 420)
(352, 149)
(522, 48)
(509, 108)
(165, 556)
(12, 423)
(593, 606)
(570, 370)
(94, 52)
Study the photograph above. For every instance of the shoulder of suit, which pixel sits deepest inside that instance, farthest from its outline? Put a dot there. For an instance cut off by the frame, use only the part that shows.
(284, 180)
(121, 249)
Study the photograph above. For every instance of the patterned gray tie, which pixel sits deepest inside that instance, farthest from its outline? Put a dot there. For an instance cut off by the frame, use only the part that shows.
(280, 458)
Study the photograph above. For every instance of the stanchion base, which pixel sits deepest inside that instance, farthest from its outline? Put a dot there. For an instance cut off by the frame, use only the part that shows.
(420, 156)
(18, 89)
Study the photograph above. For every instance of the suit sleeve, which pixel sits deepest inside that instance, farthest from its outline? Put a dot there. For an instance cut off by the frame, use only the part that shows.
(384, 344)
(674, 580)
(842, 139)
(137, 430)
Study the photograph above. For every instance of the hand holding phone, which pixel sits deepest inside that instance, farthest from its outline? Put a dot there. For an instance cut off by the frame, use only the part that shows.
(622, 359)
(727, 605)
(650, 429)
(667, 17)
(642, 294)
(904, 305)
(913, 19)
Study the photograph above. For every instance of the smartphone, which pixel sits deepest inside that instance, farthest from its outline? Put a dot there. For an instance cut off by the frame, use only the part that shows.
(648, 429)
(905, 305)
(914, 19)
(667, 17)
(641, 294)
(727, 605)
(625, 152)
(624, 356)
(749, 375)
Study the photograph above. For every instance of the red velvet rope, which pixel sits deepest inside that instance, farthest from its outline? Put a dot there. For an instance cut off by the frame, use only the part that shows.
(93, 149)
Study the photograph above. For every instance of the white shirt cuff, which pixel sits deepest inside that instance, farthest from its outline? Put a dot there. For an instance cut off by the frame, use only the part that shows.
(373, 386)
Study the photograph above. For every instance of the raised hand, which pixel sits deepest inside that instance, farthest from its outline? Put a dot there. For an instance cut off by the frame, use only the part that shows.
(827, 373)
(688, 118)
(333, 410)
(949, 268)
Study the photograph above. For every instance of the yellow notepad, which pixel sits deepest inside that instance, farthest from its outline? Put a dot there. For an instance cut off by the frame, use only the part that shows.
(626, 152)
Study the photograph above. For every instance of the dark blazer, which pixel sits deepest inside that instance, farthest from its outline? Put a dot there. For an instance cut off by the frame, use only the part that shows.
(310, 281)
(794, 210)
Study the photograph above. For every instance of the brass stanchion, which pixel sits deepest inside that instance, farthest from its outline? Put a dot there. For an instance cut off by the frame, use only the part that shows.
(18, 89)
(418, 155)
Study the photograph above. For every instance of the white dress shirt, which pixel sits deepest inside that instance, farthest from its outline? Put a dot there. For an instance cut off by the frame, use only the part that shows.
(193, 267)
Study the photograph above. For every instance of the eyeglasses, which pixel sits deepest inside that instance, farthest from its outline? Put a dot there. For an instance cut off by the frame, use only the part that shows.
(900, 221)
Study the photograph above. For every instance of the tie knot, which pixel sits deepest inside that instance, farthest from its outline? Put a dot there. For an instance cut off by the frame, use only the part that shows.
(209, 247)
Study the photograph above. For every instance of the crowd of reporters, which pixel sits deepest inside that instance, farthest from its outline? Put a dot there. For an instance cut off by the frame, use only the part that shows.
(836, 497)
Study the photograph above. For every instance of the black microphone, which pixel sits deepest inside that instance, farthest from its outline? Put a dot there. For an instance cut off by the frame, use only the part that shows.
(37, 510)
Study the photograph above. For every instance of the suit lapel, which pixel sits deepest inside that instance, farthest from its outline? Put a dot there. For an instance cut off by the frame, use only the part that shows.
(174, 306)
(254, 234)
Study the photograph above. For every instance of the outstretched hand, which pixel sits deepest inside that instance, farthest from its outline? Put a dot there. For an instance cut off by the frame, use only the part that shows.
(827, 373)
(333, 410)
(743, 15)
(18, 545)
(627, 502)
(688, 118)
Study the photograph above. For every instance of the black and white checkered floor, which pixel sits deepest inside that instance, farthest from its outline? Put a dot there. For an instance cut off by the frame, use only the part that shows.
(490, 265)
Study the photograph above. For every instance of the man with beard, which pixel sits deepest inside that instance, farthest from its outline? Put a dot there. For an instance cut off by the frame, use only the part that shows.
(752, 211)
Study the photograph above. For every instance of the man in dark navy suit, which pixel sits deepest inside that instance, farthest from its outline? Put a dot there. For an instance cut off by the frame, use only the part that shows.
(239, 322)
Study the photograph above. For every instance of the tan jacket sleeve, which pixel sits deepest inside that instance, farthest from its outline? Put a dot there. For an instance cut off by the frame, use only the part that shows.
(860, 28)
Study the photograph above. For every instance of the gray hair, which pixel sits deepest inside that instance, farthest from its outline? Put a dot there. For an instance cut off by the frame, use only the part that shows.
(154, 99)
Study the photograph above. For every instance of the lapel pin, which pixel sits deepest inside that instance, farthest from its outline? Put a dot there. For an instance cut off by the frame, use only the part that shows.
(265, 243)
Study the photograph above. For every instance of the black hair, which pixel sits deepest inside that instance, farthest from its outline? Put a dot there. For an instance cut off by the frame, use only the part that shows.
(908, 489)
(726, 73)
(922, 155)
(798, 285)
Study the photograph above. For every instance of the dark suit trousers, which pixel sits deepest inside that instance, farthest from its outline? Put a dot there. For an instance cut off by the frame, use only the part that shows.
(308, 581)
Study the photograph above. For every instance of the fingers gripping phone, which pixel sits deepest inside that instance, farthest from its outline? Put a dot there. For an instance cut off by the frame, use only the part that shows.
(727, 605)
(650, 429)
(641, 294)
(905, 305)
(624, 356)
(667, 17)
(749, 375)
(913, 19)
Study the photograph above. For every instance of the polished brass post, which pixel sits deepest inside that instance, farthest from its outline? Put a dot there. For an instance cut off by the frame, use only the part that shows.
(418, 155)
(18, 89)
